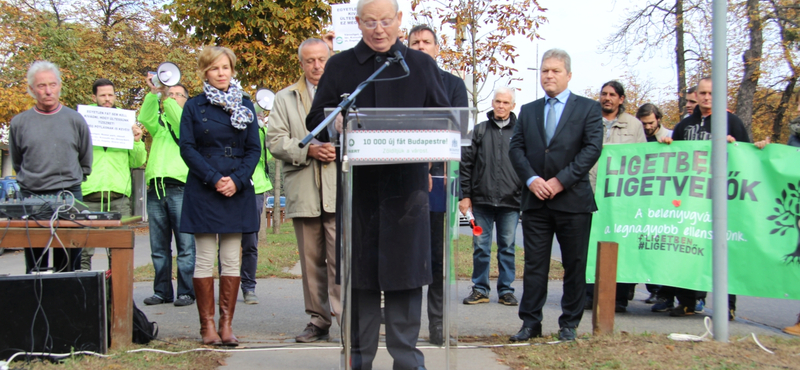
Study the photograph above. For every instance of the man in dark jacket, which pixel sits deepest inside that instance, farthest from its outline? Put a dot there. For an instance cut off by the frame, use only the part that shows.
(492, 190)
(698, 127)
(390, 218)
(423, 38)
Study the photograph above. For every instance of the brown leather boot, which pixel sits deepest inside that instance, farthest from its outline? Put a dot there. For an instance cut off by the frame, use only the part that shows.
(228, 292)
(204, 291)
(794, 329)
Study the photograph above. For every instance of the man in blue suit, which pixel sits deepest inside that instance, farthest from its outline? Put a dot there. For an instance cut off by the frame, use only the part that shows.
(556, 142)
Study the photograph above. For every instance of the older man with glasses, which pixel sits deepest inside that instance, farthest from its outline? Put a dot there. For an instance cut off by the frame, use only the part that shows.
(390, 218)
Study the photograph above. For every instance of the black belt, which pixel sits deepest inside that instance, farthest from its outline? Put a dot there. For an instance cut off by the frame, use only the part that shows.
(227, 152)
(158, 183)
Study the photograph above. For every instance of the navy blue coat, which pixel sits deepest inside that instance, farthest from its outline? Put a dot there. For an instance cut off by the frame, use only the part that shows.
(212, 149)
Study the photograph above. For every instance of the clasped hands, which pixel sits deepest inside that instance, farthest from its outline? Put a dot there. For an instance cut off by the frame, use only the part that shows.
(323, 153)
(545, 189)
(226, 186)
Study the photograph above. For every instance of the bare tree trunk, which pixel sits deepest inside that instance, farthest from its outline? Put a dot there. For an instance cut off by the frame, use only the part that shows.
(680, 57)
(752, 67)
(276, 208)
(777, 123)
(473, 30)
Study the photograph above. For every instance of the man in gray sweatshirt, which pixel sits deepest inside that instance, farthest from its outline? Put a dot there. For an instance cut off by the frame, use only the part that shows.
(51, 151)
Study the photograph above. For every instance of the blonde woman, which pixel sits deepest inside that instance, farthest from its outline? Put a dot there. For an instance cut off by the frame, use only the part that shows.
(220, 144)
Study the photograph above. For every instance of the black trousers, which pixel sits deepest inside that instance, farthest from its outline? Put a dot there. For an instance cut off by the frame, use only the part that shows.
(689, 297)
(402, 311)
(436, 289)
(64, 259)
(621, 297)
(572, 231)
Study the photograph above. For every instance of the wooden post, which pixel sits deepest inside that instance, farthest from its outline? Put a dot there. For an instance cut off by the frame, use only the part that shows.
(605, 288)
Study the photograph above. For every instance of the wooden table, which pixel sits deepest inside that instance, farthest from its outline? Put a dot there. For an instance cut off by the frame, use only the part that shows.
(113, 235)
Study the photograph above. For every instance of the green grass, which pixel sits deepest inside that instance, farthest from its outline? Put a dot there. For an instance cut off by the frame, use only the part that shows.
(276, 253)
(120, 360)
(464, 261)
(649, 351)
(279, 252)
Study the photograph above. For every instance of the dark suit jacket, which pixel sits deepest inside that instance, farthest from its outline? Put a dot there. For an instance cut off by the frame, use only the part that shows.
(455, 89)
(573, 150)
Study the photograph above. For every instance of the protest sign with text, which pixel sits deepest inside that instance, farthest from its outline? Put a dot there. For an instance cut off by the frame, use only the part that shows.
(343, 18)
(654, 200)
(110, 127)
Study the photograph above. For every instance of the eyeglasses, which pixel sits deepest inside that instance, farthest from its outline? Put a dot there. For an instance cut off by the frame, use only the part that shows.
(384, 23)
(175, 95)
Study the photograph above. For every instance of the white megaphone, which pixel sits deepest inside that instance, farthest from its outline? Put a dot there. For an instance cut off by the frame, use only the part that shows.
(265, 98)
(167, 74)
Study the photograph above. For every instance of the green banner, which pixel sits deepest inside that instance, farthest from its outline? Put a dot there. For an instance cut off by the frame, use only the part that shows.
(654, 201)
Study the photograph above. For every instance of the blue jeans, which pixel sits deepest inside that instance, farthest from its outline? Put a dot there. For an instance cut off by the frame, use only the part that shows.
(506, 220)
(165, 221)
(250, 252)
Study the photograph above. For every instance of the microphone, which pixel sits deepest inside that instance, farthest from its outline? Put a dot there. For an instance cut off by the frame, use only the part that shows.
(399, 59)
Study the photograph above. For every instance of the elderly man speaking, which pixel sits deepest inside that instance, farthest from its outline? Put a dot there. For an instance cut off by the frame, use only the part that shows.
(387, 256)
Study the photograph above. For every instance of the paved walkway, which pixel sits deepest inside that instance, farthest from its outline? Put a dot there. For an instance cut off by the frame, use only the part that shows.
(270, 326)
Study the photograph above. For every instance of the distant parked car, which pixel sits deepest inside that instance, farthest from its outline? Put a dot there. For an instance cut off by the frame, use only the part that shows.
(9, 188)
(463, 220)
(271, 202)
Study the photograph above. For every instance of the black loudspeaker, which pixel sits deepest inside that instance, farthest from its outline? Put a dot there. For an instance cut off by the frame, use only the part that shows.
(53, 313)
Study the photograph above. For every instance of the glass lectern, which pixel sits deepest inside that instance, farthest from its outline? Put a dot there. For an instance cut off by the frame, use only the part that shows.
(386, 158)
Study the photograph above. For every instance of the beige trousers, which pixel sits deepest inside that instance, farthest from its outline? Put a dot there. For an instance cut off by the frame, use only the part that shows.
(230, 246)
(316, 238)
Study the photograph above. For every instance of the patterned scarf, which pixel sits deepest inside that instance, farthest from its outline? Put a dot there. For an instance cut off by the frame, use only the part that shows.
(231, 102)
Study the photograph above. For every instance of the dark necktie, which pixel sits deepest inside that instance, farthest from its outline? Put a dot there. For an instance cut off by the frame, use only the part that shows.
(550, 123)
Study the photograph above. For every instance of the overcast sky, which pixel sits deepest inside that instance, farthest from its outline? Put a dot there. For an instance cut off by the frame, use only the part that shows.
(580, 27)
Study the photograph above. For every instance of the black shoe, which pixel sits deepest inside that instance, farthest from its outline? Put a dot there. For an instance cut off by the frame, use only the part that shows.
(588, 305)
(508, 299)
(620, 308)
(527, 333)
(567, 334)
(652, 299)
(436, 335)
(476, 297)
(681, 311)
(154, 300)
(312, 333)
(184, 300)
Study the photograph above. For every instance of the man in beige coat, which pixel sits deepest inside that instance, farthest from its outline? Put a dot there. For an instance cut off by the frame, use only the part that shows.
(619, 127)
(310, 185)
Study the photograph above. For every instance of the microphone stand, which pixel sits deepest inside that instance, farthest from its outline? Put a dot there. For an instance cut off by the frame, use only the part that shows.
(349, 100)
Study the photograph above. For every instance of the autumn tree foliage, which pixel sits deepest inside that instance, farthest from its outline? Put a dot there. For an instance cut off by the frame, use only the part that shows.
(264, 35)
(118, 40)
(763, 49)
(477, 38)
